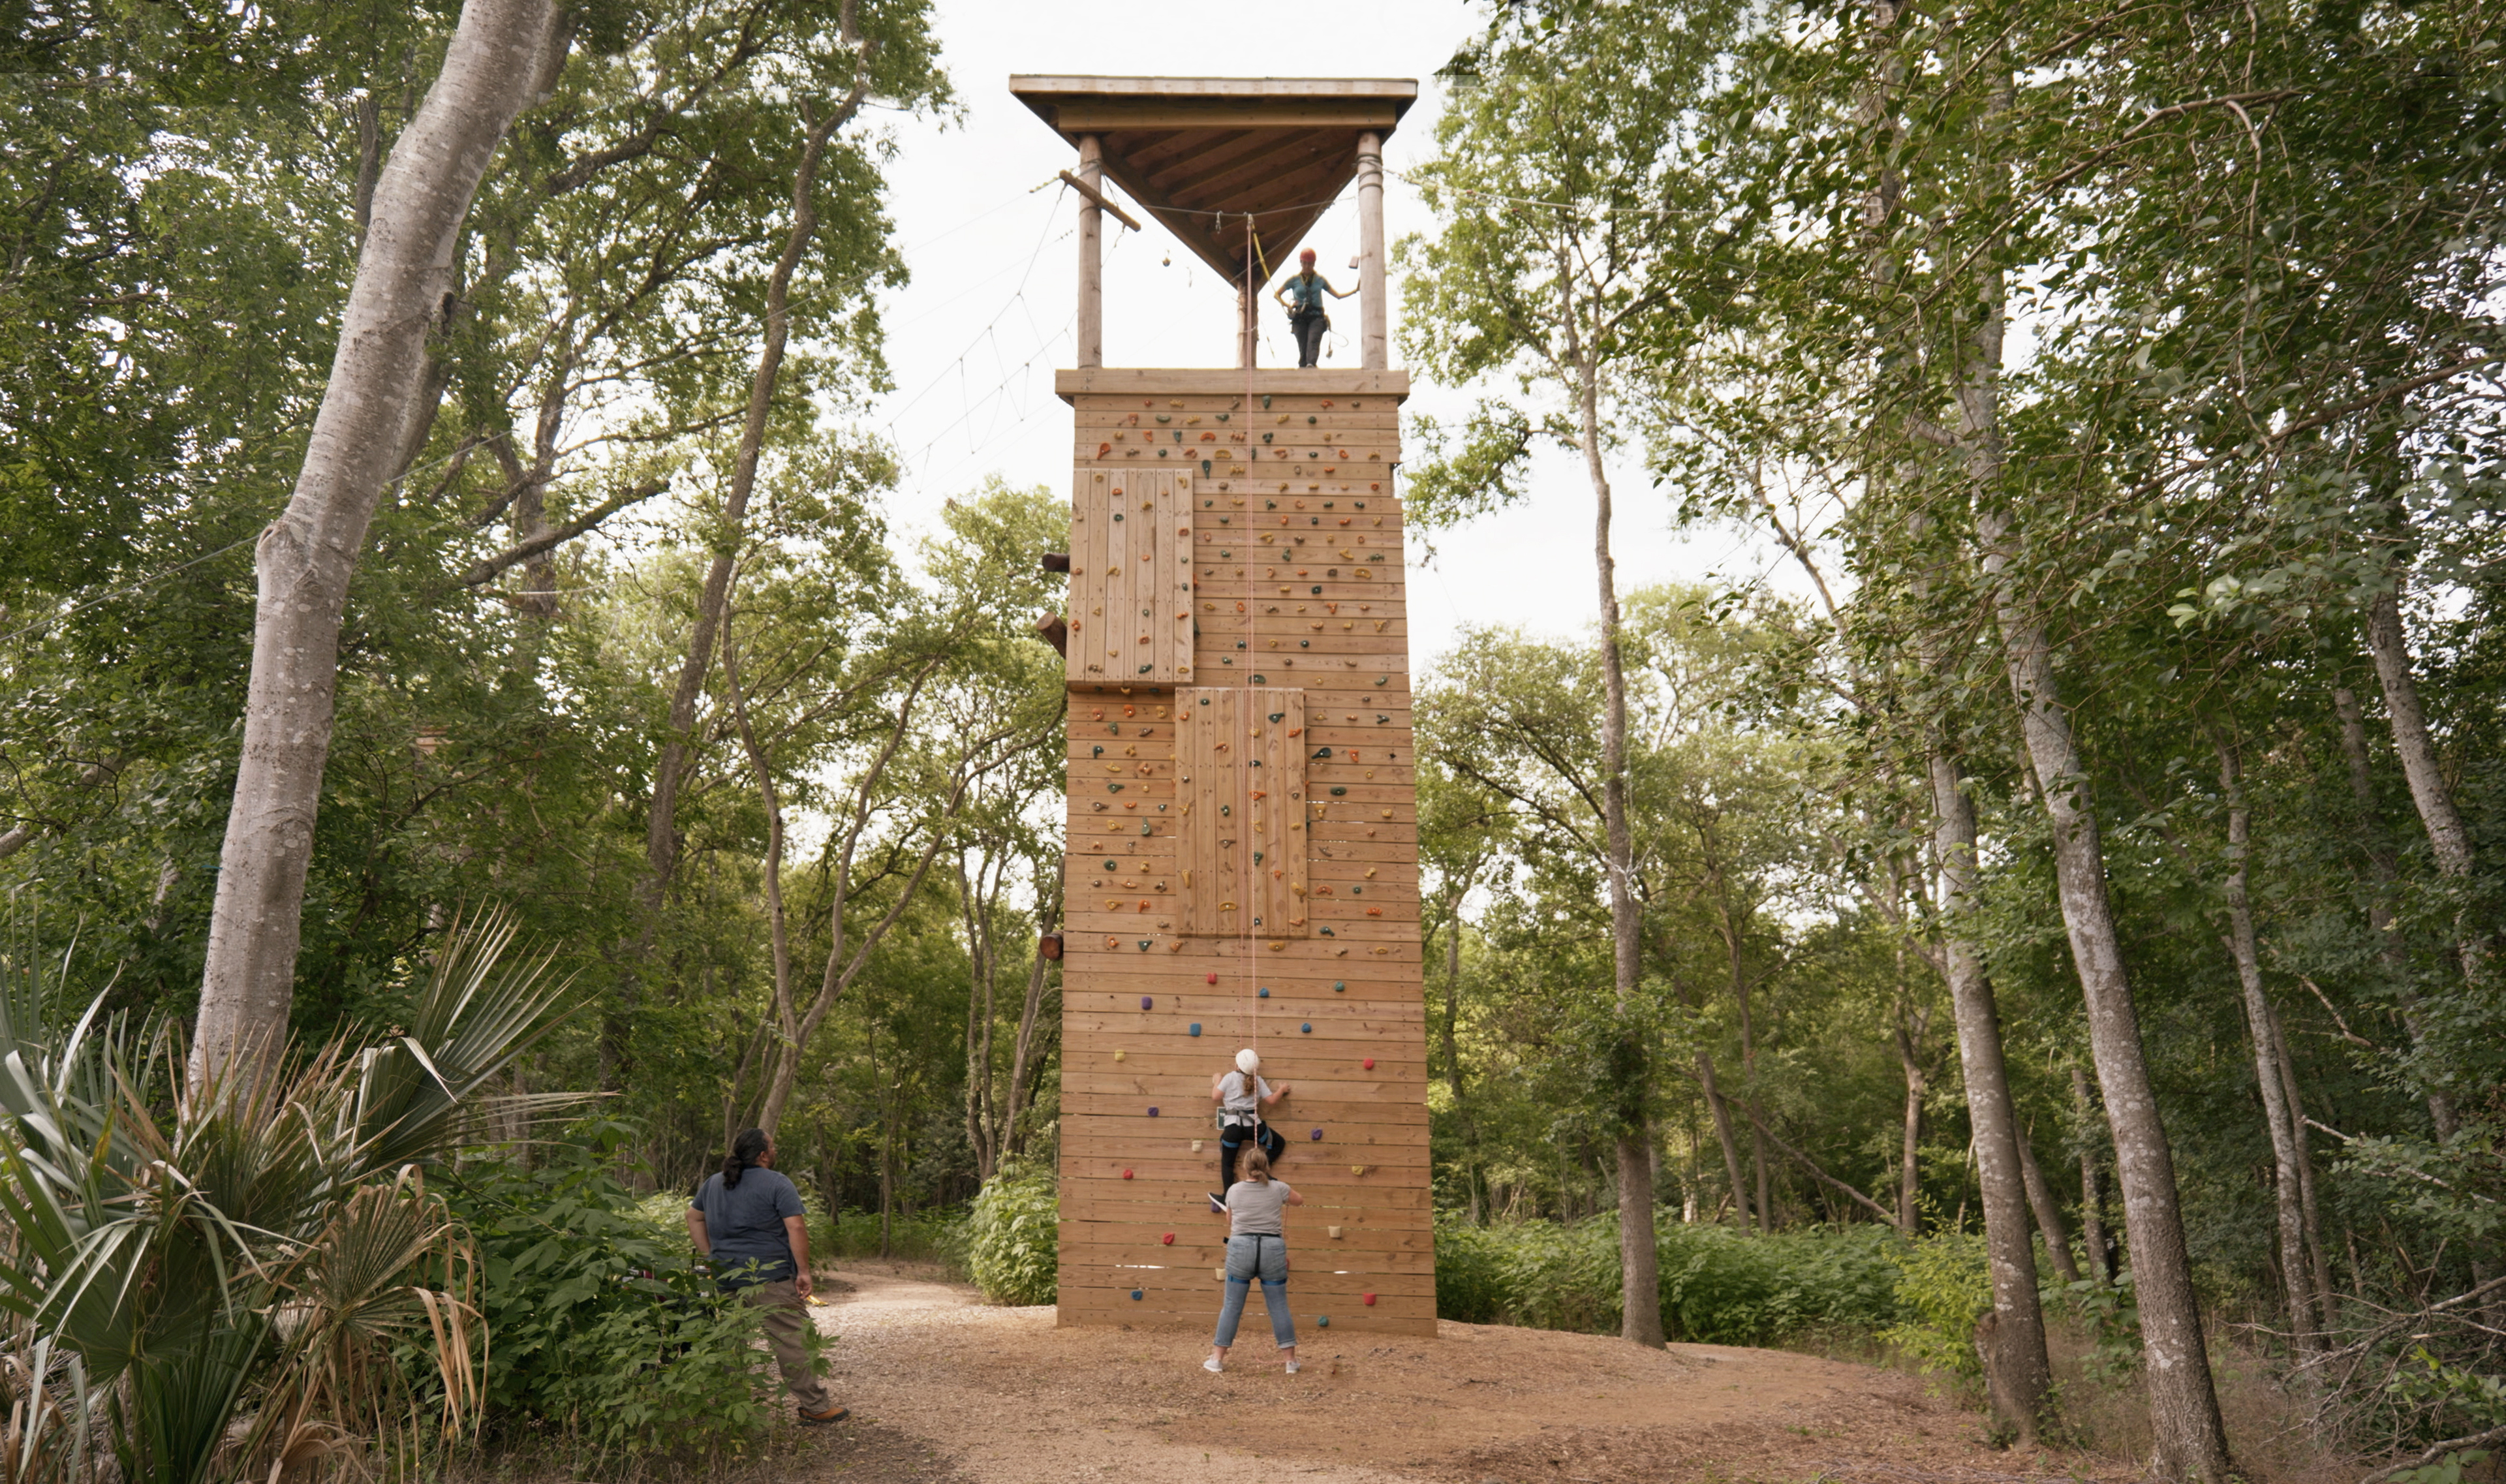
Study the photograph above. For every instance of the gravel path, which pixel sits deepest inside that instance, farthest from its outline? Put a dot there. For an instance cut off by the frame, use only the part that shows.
(949, 1388)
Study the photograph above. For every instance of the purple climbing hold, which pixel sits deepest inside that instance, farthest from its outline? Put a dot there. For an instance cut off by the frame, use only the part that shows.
(1146, 1001)
(1152, 1113)
(1318, 1133)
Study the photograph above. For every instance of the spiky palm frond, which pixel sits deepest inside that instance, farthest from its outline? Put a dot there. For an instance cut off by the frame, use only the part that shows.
(258, 1244)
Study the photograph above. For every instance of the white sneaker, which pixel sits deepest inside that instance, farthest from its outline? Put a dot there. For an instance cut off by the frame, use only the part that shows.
(1211, 1365)
(1292, 1367)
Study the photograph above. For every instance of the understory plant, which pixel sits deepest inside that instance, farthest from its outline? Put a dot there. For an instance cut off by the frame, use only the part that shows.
(230, 1280)
(1013, 1239)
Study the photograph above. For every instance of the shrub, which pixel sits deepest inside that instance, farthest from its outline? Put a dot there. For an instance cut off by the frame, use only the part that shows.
(601, 1328)
(1013, 1237)
(1945, 1287)
(1718, 1285)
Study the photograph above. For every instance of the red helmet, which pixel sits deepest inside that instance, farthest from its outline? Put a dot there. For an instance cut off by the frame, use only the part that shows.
(1307, 256)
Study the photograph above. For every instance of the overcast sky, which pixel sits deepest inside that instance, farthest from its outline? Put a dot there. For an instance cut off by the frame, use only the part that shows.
(975, 339)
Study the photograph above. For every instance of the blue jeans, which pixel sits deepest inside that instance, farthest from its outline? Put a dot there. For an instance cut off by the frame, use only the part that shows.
(1249, 1258)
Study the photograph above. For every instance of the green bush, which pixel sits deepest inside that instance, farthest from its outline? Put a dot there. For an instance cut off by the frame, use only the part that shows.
(1718, 1285)
(1012, 1238)
(599, 1325)
(925, 1236)
(1946, 1286)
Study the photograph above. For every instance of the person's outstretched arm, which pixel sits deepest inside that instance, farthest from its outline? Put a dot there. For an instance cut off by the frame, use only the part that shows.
(1218, 1087)
(1277, 1093)
(1337, 294)
(1294, 1198)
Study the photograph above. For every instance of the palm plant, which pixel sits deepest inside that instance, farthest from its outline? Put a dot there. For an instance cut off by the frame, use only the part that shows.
(223, 1276)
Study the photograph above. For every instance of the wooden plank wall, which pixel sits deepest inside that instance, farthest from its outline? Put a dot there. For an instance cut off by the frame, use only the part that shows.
(1297, 587)
(1243, 796)
(1130, 577)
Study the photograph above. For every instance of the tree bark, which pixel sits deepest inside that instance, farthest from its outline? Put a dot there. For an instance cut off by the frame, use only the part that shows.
(502, 54)
(2304, 1328)
(1639, 1280)
(2023, 1375)
(1722, 1112)
(2316, 1253)
(1048, 918)
(2448, 839)
(2388, 868)
(2049, 1211)
(2092, 1194)
(1908, 1180)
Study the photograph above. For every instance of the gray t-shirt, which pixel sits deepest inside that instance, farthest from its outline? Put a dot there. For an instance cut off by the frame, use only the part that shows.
(1238, 1098)
(745, 1225)
(1253, 1208)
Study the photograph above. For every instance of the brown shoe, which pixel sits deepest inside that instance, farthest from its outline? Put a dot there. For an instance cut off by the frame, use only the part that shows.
(822, 1419)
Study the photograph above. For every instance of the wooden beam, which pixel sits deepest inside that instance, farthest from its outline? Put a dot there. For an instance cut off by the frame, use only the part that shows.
(1098, 198)
(1101, 116)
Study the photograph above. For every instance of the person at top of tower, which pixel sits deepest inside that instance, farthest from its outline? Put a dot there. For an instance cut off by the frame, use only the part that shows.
(1241, 1095)
(1302, 293)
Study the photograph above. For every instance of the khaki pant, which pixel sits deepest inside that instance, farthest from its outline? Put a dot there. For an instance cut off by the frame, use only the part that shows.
(787, 1333)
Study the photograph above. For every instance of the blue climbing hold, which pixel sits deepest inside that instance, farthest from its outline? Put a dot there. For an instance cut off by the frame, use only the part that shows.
(1196, 1028)
(1339, 986)
(1308, 1029)
(1136, 1296)
(1263, 991)
(1321, 1320)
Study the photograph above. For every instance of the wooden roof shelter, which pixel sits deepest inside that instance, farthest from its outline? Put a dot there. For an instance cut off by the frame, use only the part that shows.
(1219, 159)
(1203, 153)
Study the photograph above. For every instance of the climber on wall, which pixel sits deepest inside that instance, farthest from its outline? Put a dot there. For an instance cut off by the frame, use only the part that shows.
(1241, 1095)
(1302, 293)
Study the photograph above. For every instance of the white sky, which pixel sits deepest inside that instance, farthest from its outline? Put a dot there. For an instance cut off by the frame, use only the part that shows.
(975, 339)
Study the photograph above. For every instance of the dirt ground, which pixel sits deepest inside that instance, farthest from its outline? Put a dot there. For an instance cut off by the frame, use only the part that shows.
(946, 1390)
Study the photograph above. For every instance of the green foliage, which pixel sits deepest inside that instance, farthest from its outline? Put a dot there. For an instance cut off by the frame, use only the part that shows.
(1014, 1236)
(1718, 1286)
(604, 1330)
(1945, 1286)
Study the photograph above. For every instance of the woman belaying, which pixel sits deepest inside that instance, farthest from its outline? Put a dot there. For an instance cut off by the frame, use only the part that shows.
(1257, 1246)
(745, 1220)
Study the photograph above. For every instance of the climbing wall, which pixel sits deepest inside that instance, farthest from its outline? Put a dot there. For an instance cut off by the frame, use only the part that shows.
(1243, 864)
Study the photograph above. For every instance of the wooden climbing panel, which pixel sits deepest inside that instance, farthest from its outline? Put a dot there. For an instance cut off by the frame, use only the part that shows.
(1299, 643)
(1130, 576)
(1241, 791)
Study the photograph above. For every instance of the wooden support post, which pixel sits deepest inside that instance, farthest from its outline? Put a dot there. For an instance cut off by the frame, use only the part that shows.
(1245, 324)
(1092, 263)
(1373, 337)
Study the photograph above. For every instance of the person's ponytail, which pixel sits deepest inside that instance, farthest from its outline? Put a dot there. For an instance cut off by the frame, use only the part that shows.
(744, 1152)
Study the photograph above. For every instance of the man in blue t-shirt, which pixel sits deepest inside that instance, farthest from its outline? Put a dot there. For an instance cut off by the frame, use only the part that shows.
(1301, 292)
(746, 1220)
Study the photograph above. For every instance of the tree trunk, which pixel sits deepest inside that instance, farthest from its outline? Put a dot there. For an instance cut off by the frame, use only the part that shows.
(2022, 1376)
(2092, 1194)
(1047, 919)
(2316, 1253)
(2448, 839)
(2277, 1115)
(2049, 1211)
(1639, 1281)
(1908, 1180)
(2387, 869)
(502, 54)
(1453, 1078)
(778, 920)
(1722, 1112)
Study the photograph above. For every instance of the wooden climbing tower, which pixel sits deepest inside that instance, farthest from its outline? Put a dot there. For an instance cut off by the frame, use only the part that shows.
(1243, 857)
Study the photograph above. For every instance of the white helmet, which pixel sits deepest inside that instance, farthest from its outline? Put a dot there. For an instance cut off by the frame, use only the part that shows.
(1247, 1063)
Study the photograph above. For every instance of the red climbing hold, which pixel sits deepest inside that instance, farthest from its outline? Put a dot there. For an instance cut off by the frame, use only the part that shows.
(1167, 1238)
(1370, 1063)
(1213, 978)
(1368, 1299)
(1126, 1175)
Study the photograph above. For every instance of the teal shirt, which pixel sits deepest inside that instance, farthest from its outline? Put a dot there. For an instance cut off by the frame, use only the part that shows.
(1304, 293)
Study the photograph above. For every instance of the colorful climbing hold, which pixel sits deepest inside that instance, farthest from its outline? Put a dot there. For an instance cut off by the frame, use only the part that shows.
(1152, 1113)
(1322, 1322)
(1146, 1001)
(1126, 1175)
(1135, 1295)
(1339, 986)
(1367, 1299)
(1308, 1029)
(1167, 1240)
(1317, 1134)
(1369, 1067)
(1262, 992)
(1194, 1030)
(1212, 978)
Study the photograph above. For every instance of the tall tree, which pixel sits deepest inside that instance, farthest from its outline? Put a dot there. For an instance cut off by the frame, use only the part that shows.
(502, 55)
